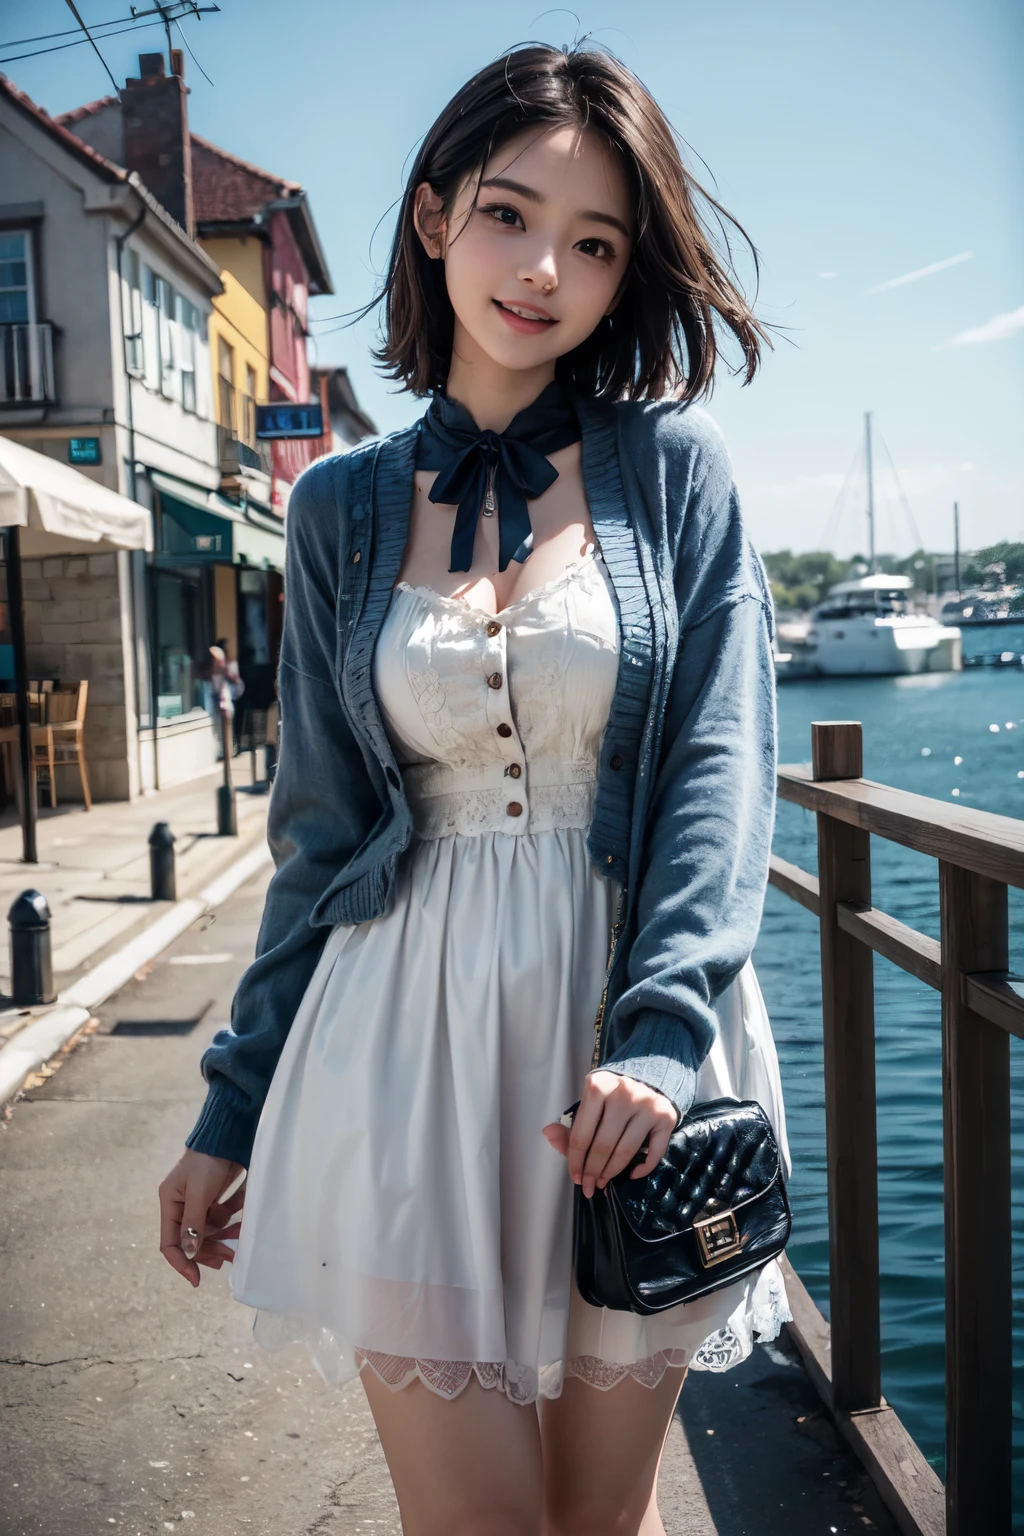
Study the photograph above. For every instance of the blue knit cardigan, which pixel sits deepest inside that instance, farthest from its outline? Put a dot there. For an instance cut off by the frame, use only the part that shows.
(686, 778)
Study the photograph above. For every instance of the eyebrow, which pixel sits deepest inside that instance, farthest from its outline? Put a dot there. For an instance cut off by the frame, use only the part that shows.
(533, 196)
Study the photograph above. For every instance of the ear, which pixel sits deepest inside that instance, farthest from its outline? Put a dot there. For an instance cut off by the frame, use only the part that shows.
(429, 218)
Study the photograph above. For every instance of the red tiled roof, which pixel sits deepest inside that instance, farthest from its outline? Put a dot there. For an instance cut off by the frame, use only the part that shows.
(227, 189)
(57, 130)
(89, 110)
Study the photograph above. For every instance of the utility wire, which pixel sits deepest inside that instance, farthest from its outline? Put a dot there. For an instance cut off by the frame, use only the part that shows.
(191, 9)
(127, 26)
(191, 55)
(74, 11)
(76, 43)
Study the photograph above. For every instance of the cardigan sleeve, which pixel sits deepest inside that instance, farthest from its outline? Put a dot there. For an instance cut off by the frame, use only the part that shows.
(709, 825)
(322, 807)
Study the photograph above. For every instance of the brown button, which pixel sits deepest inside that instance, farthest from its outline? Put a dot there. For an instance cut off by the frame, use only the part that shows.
(493, 628)
(514, 808)
(513, 770)
(357, 557)
(610, 859)
(494, 681)
(504, 730)
(616, 761)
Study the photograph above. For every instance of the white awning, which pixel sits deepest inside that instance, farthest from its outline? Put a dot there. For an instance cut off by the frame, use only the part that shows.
(41, 493)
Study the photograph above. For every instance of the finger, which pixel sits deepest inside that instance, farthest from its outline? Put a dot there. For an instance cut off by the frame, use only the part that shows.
(557, 1136)
(584, 1126)
(172, 1206)
(193, 1220)
(214, 1254)
(660, 1138)
(617, 1115)
(219, 1234)
(613, 1128)
(229, 1204)
(628, 1145)
(177, 1260)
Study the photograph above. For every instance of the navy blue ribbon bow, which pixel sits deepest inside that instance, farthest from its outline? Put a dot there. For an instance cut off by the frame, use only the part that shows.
(505, 469)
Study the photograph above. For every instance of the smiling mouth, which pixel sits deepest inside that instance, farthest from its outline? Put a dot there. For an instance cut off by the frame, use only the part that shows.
(523, 315)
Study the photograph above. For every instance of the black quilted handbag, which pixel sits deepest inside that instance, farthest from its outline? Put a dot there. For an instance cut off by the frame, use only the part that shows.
(713, 1210)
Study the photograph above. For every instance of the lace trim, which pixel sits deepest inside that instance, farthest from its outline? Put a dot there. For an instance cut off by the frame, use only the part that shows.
(521, 1384)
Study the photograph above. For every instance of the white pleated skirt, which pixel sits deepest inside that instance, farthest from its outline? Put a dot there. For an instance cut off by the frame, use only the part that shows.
(403, 1210)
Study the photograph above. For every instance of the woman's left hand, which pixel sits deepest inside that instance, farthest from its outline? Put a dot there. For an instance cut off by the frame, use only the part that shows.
(617, 1115)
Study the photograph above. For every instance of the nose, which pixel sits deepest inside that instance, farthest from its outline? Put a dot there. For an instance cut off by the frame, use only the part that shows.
(540, 270)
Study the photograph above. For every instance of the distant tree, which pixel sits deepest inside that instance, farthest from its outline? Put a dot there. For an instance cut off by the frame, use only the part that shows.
(997, 565)
(800, 581)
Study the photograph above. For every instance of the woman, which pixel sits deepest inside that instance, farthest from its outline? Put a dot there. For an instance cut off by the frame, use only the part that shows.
(527, 709)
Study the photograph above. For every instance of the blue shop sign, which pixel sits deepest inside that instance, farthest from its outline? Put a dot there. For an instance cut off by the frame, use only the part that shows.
(285, 420)
(84, 450)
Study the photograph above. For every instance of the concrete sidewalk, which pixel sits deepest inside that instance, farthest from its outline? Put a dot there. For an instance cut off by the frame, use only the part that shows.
(94, 869)
(130, 1402)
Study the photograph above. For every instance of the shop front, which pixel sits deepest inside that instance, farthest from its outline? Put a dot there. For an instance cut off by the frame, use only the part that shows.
(216, 578)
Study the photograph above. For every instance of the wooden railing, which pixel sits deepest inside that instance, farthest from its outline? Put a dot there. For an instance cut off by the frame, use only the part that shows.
(979, 856)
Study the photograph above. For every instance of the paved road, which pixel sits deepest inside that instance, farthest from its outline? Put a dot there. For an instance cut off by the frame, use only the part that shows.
(129, 1402)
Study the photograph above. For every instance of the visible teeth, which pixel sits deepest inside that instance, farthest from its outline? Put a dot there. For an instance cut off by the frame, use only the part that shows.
(524, 314)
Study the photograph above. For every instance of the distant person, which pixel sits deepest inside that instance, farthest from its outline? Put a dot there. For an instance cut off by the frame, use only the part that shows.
(531, 727)
(223, 687)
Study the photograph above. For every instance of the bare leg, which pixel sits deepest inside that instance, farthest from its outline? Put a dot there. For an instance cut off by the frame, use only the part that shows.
(465, 1466)
(601, 1452)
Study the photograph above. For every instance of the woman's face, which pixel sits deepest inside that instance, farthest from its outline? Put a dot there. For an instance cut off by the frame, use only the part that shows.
(537, 246)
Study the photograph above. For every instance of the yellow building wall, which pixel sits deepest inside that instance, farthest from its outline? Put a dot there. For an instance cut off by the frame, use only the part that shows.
(240, 312)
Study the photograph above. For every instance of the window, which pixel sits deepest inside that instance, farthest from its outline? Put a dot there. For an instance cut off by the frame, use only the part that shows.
(132, 293)
(247, 427)
(225, 385)
(17, 296)
(160, 295)
(188, 326)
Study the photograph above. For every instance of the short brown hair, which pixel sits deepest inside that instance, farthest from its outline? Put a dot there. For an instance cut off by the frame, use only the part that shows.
(661, 335)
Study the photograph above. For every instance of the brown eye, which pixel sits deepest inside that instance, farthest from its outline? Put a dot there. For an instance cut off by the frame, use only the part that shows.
(501, 213)
(594, 247)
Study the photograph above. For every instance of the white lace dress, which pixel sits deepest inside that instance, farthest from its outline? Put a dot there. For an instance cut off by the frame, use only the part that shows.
(404, 1212)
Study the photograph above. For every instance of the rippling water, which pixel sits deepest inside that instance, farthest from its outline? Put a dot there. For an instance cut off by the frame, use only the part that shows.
(915, 729)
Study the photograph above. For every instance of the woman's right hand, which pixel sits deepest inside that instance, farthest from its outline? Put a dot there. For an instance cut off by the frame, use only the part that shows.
(193, 1195)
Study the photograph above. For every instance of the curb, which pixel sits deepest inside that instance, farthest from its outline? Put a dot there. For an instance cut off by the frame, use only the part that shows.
(38, 1041)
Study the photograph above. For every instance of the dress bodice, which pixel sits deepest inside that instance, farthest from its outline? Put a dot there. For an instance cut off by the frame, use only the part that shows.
(496, 720)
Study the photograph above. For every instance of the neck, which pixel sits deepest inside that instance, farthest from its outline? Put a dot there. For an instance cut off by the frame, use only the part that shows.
(490, 393)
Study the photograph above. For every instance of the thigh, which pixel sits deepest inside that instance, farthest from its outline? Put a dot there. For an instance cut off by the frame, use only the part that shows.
(465, 1466)
(601, 1451)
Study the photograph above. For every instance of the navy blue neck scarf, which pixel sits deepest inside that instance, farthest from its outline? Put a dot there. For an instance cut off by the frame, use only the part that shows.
(494, 472)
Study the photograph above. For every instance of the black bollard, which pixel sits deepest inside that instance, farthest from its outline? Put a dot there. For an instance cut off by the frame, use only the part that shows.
(162, 882)
(227, 818)
(31, 959)
(270, 760)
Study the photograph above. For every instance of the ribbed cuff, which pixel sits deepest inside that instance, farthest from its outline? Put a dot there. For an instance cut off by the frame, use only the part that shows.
(227, 1124)
(661, 1052)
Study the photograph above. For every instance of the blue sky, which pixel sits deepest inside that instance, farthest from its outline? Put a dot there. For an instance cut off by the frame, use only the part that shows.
(865, 142)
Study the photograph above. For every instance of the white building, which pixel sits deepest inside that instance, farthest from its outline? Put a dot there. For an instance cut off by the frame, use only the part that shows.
(104, 363)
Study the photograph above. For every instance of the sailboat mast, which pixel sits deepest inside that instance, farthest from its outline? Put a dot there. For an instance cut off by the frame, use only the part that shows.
(871, 491)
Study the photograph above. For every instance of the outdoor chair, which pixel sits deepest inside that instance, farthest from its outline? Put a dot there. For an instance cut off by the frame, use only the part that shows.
(65, 726)
(41, 743)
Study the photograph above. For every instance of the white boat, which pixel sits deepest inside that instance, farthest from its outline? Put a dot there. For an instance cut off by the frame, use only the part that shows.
(867, 627)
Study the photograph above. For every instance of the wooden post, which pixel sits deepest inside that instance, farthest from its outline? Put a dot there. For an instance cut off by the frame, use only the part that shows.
(976, 1130)
(848, 1010)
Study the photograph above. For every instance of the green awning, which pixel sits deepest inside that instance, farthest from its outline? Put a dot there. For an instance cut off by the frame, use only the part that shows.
(200, 527)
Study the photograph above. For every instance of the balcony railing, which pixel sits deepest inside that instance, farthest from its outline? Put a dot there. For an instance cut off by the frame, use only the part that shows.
(236, 432)
(26, 365)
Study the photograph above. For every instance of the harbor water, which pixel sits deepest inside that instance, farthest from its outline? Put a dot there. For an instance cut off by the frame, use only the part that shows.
(958, 737)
